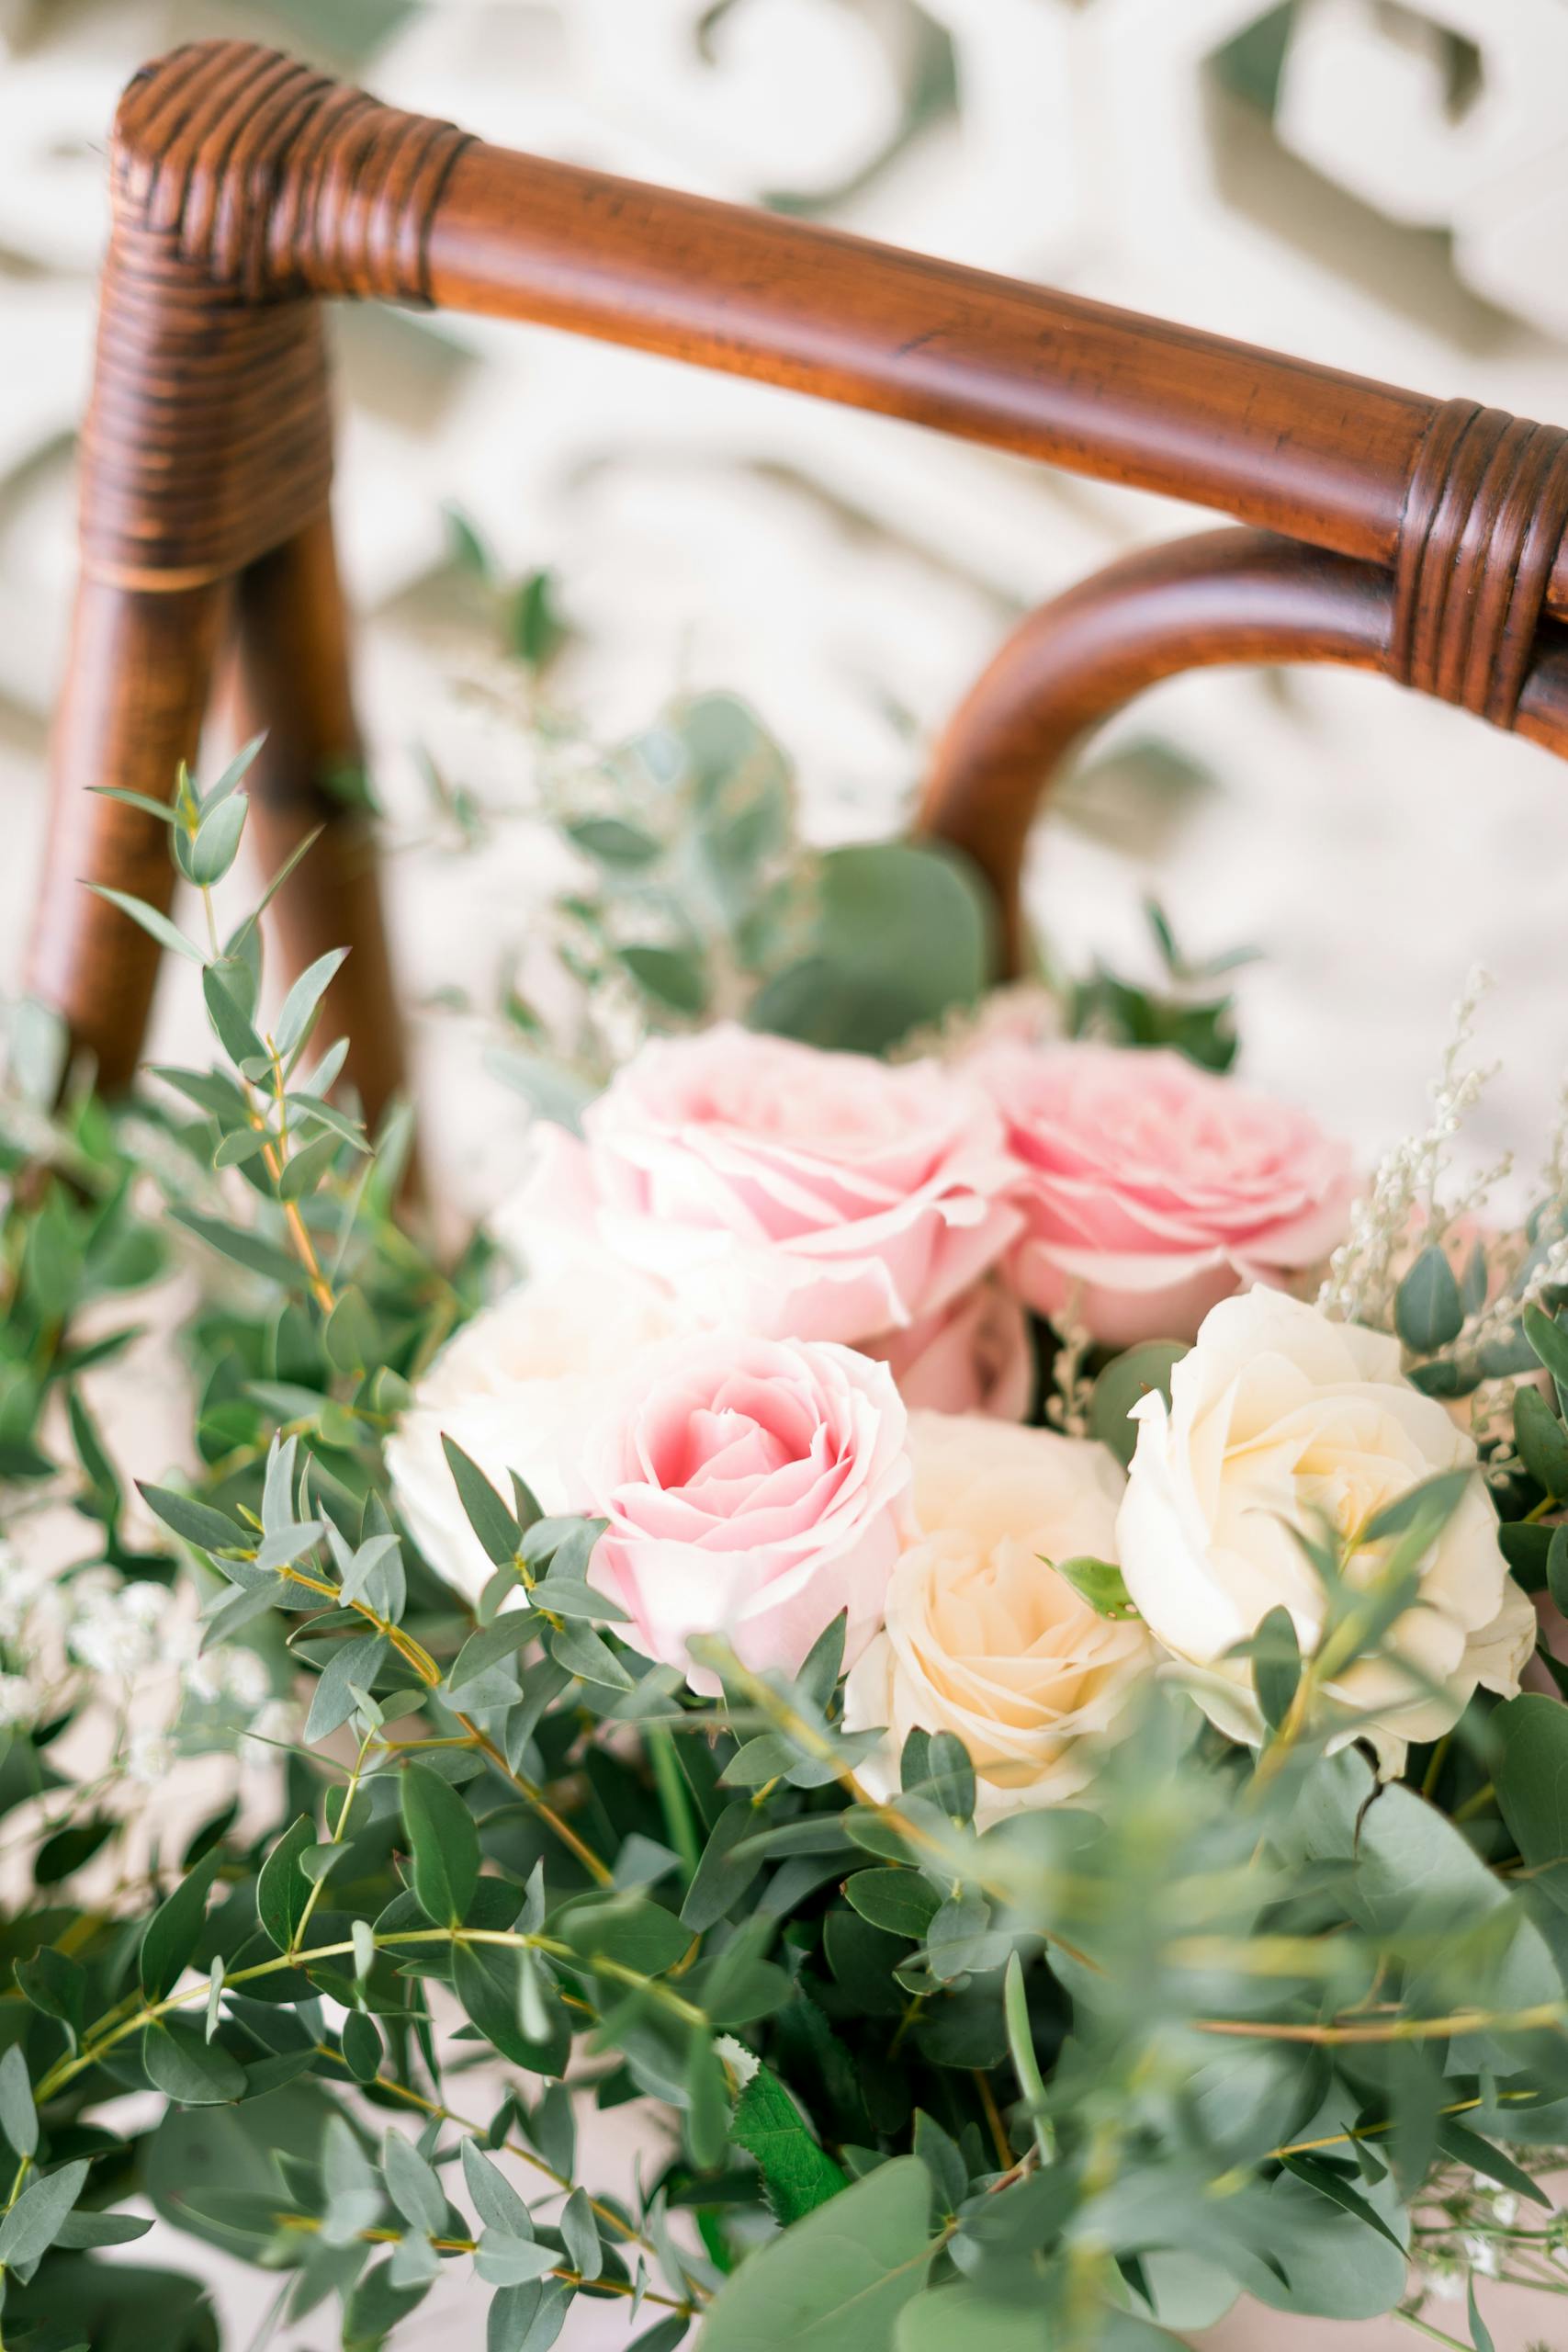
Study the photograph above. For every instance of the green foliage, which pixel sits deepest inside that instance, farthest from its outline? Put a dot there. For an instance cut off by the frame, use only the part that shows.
(1232, 2021)
(1185, 1016)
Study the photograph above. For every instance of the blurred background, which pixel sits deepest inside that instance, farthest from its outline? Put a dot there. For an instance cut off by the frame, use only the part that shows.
(1380, 186)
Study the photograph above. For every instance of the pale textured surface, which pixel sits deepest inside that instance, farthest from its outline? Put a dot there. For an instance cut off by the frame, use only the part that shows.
(1406, 220)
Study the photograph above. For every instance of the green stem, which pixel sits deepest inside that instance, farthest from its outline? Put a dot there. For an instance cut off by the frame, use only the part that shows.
(117, 2025)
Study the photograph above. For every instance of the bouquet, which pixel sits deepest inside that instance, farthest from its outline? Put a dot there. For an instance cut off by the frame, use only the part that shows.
(928, 1635)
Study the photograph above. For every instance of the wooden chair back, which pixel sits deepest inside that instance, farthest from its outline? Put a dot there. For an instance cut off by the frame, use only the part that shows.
(1419, 537)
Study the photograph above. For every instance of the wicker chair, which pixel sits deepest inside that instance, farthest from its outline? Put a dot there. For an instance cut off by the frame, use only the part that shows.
(1419, 538)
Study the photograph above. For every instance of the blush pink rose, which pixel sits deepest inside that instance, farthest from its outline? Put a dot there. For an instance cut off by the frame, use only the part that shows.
(971, 1357)
(778, 1189)
(752, 1488)
(1151, 1188)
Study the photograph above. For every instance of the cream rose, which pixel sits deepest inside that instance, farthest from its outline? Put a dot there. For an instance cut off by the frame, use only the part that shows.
(982, 1637)
(778, 1189)
(752, 1488)
(514, 1389)
(1277, 1413)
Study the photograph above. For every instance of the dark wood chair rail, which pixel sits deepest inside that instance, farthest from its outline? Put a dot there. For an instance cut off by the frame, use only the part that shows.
(1423, 538)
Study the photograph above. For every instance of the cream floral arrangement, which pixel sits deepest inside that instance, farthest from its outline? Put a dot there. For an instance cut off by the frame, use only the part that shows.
(913, 1704)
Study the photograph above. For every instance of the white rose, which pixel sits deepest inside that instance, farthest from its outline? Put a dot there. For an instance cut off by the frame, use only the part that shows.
(982, 1637)
(514, 1389)
(1277, 1413)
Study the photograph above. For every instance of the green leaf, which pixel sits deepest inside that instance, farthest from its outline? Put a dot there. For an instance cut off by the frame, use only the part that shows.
(797, 2175)
(516, 2009)
(1338, 2189)
(1480, 2334)
(163, 810)
(217, 842)
(1557, 1566)
(1099, 1582)
(906, 932)
(580, 2232)
(227, 987)
(613, 841)
(503, 2261)
(536, 629)
(443, 1846)
(486, 1513)
(1550, 1341)
(674, 976)
(1143, 1371)
(1542, 1442)
(1428, 1310)
(1430, 1505)
(627, 1929)
(362, 2050)
(719, 1879)
(247, 1249)
(377, 2305)
(244, 930)
(171, 1933)
(495, 2200)
(1467, 2147)
(351, 1667)
(1276, 1665)
(351, 1336)
(952, 1776)
(80, 2230)
(837, 2279)
(18, 2116)
(303, 1170)
(283, 1890)
(412, 2184)
(587, 1654)
(207, 1529)
(349, 2178)
(900, 1901)
(186, 2067)
(56, 1987)
(300, 1007)
(862, 1959)
(34, 2221)
(156, 926)
(1531, 1773)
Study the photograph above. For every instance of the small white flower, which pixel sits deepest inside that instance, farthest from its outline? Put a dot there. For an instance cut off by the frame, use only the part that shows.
(228, 1673)
(30, 1596)
(278, 1720)
(742, 2062)
(117, 1627)
(149, 1757)
(19, 1701)
(1481, 2254)
(1504, 2207)
(246, 1678)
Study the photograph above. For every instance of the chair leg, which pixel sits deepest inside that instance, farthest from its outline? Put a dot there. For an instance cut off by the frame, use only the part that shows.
(137, 682)
(293, 681)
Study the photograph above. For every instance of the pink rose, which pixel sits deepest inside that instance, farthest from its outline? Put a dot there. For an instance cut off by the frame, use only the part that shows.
(971, 1357)
(752, 1488)
(778, 1189)
(1151, 1188)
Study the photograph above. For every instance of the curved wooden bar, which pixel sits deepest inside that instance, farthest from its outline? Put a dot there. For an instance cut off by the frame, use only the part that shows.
(1426, 538)
(1218, 598)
